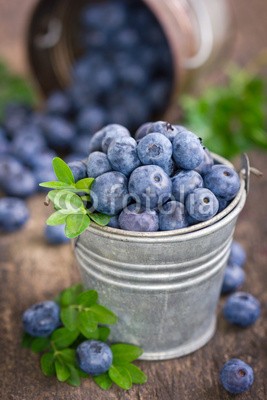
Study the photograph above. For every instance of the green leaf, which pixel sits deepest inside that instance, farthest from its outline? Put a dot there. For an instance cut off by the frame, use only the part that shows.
(68, 356)
(27, 340)
(69, 296)
(104, 333)
(87, 298)
(62, 371)
(85, 183)
(53, 193)
(74, 379)
(48, 364)
(62, 337)
(67, 200)
(76, 224)
(103, 315)
(62, 171)
(69, 317)
(101, 333)
(100, 219)
(120, 376)
(125, 353)
(91, 335)
(229, 117)
(56, 185)
(103, 381)
(40, 344)
(137, 375)
(87, 323)
(82, 374)
(57, 218)
(14, 88)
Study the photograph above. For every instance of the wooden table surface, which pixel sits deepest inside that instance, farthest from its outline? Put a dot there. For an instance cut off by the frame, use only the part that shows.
(31, 271)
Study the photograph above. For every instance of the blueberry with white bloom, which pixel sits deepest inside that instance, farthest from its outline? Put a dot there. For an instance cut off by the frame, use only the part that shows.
(223, 181)
(41, 319)
(142, 131)
(237, 255)
(79, 169)
(188, 152)
(172, 216)
(97, 164)
(95, 142)
(94, 357)
(150, 186)
(241, 309)
(135, 218)
(122, 155)
(13, 214)
(236, 376)
(109, 193)
(185, 182)
(234, 277)
(165, 128)
(155, 149)
(205, 166)
(113, 131)
(201, 204)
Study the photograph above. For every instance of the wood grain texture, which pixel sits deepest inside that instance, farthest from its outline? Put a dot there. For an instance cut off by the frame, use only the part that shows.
(31, 271)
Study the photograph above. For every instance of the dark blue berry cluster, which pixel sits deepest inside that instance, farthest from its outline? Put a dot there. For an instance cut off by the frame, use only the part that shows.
(164, 179)
(118, 77)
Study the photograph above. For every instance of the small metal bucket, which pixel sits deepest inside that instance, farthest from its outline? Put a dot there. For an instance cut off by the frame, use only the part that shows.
(164, 286)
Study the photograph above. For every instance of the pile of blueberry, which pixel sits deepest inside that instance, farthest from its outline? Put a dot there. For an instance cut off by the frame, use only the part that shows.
(25, 161)
(164, 179)
(120, 77)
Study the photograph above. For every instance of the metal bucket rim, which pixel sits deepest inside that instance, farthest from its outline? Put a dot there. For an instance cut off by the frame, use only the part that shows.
(199, 229)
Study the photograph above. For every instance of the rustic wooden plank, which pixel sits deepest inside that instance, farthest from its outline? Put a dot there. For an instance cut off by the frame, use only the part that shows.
(31, 271)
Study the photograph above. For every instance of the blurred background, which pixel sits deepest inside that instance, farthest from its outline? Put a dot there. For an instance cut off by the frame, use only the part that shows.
(200, 63)
(66, 70)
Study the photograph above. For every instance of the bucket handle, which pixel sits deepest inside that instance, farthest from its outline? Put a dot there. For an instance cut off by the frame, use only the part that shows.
(51, 37)
(206, 37)
(246, 170)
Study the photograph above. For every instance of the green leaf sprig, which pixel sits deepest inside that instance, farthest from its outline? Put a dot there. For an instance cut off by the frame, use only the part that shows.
(82, 319)
(230, 118)
(70, 199)
(14, 88)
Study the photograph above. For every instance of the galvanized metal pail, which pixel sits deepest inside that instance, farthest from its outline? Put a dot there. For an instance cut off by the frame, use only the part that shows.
(164, 286)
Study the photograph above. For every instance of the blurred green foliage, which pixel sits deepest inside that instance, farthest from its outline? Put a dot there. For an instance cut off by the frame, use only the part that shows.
(230, 118)
(14, 88)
